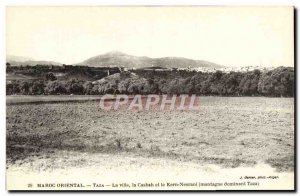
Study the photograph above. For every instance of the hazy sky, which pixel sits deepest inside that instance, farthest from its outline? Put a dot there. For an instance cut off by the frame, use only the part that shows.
(232, 36)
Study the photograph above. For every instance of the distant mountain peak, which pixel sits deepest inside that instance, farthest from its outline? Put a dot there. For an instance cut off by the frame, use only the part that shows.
(20, 60)
(120, 59)
(116, 53)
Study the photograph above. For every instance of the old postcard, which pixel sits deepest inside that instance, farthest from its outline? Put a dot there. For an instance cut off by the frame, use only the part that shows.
(150, 98)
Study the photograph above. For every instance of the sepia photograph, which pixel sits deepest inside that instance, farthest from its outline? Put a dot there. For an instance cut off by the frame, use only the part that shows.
(150, 98)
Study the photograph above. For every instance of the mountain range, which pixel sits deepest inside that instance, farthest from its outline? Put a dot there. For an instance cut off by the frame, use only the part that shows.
(20, 60)
(119, 59)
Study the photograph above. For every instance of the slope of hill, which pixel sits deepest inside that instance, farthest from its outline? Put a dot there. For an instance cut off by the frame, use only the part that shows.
(119, 59)
(176, 62)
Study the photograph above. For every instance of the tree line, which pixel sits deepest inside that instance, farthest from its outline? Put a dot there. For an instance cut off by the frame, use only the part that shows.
(275, 83)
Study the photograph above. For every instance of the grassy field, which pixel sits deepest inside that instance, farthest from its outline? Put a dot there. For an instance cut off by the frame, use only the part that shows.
(227, 131)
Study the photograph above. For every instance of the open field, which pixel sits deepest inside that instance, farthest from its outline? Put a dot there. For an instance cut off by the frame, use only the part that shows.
(226, 131)
(38, 99)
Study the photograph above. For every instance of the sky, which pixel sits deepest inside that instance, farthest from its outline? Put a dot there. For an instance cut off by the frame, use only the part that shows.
(230, 36)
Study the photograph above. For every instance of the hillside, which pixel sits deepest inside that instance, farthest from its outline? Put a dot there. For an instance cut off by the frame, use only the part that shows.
(119, 59)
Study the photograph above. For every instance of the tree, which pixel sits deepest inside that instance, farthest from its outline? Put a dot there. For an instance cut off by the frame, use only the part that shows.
(249, 83)
(24, 87)
(88, 88)
(74, 86)
(277, 82)
(55, 88)
(50, 76)
(37, 88)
